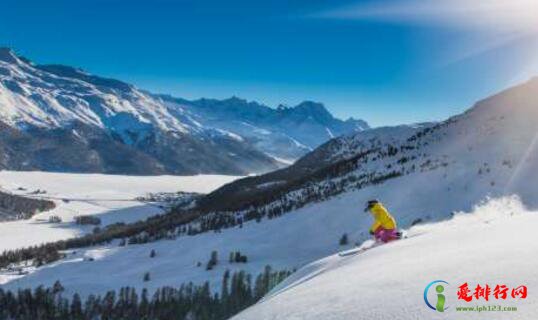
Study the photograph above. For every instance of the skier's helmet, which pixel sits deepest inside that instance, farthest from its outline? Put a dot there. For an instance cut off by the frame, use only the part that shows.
(370, 204)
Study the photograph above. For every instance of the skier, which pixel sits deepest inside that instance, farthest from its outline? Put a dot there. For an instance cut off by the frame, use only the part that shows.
(384, 228)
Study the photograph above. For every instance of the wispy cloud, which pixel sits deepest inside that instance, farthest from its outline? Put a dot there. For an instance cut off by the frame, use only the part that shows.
(486, 15)
(496, 23)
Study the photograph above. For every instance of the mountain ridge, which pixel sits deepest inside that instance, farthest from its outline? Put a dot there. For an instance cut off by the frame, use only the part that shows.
(173, 137)
(286, 132)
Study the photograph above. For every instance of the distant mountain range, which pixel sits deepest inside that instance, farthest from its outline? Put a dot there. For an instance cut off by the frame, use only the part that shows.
(490, 150)
(286, 133)
(60, 118)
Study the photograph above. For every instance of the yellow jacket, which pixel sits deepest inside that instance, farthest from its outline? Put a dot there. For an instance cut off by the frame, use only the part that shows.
(382, 218)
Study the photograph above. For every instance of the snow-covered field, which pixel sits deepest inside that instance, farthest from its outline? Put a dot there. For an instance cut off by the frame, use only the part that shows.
(288, 242)
(496, 244)
(110, 197)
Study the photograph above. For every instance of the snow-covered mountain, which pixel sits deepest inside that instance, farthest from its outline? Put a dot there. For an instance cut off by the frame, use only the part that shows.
(69, 120)
(334, 158)
(285, 132)
(488, 150)
(295, 216)
(62, 119)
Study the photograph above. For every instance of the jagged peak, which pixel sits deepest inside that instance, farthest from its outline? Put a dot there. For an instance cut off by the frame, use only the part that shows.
(359, 122)
(307, 108)
(236, 99)
(282, 107)
(232, 102)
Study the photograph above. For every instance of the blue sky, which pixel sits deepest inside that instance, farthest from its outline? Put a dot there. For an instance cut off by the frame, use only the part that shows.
(388, 61)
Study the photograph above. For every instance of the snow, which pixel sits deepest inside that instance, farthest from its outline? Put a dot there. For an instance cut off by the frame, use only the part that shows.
(111, 197)
(496, 244)
(329, 132)
(287, 242)
(285, 162)
(48, 100)
(347, 146)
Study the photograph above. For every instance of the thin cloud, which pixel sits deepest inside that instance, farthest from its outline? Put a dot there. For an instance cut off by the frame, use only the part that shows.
(487, 15)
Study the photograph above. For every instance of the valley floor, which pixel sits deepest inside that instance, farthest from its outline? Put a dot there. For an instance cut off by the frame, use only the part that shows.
(109, 197)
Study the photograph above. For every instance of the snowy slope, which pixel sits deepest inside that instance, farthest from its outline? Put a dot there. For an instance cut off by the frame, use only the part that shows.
(348, 146)
(284, 243)
(111, 198)
(496, 244)
(287, 242)
(51, 96)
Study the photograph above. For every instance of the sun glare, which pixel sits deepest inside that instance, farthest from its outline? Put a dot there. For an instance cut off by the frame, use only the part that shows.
(516, 15)
(493, 15)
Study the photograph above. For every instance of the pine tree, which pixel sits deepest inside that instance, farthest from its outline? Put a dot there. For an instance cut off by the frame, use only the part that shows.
(57, 287)
(344, 240)
(187, 302)
(213, 261)
(225, 294)
(76, 307)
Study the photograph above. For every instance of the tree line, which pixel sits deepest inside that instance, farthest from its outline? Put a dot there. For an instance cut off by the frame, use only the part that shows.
(189, 301)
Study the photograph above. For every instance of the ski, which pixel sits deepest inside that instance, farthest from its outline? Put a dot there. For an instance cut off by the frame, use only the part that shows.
(370, 244)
